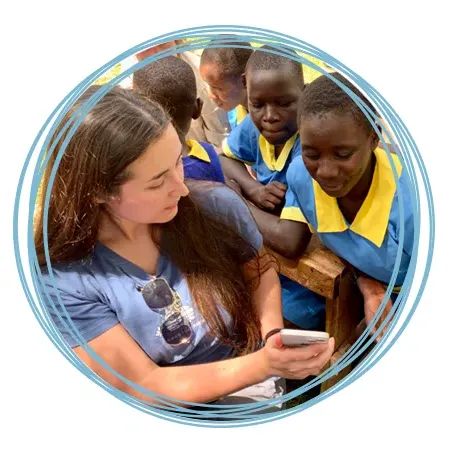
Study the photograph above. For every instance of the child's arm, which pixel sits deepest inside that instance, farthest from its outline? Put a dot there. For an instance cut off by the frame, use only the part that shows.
(289, 238)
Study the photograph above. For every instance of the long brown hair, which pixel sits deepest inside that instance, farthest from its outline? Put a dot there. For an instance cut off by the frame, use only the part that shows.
(211, 255)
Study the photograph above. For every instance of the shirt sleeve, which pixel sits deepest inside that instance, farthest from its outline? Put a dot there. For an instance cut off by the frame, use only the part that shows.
(408, 242)
(292, 209)
(226, 205)
(238, 145)
(75, 306)
(216, 166)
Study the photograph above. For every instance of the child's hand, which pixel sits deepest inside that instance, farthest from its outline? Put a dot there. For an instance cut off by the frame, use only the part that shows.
(373, 293)
(268, 196)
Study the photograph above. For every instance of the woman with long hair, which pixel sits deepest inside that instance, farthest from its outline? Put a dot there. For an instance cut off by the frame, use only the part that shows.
(169, 285)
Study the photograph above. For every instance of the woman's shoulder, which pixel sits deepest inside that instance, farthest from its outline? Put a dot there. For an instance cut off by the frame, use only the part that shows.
(83, 277)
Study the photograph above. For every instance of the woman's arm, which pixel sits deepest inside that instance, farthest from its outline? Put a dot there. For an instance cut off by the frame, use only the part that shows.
(200, 383)
(267, 294)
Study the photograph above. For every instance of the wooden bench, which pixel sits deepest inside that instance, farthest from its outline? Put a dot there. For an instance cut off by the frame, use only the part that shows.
(323, 272)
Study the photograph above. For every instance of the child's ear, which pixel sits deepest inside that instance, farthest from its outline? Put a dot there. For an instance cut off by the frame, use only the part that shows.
(198, 109)
(375, 140)
(244, 81)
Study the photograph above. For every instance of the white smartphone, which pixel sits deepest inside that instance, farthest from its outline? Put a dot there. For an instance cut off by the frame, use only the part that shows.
(297, 338)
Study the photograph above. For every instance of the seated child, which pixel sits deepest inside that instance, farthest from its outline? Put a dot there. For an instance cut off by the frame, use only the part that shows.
(171, 82)
(343, 187)
(223, 69)
(268, 141)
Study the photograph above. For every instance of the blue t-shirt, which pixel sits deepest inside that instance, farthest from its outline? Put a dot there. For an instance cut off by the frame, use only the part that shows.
(103, 290)
(202, 162)
(371, 241)
(245, 143)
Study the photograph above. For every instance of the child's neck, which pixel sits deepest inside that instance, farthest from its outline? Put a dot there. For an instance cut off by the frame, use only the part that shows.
(352, 202)
(279, 148)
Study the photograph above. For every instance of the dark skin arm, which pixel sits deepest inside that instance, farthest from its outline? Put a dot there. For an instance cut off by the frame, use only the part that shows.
(286, 237)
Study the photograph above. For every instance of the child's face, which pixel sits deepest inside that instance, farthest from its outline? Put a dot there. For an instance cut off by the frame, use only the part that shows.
(336, 151)
(273, 101)
(226, 93)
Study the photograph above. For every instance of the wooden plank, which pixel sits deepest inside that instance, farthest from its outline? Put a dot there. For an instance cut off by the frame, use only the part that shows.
(318, 269)
(343, 314)
(339, 353)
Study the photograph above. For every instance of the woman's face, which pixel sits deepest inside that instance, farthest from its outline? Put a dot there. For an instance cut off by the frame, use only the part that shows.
(156, 183)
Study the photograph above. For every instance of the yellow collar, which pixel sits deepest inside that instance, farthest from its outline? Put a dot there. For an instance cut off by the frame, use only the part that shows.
(372, 219)
(268, 153)
(241, 113)
(197, 150)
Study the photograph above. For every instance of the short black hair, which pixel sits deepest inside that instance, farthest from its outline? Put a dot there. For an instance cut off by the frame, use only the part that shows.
(324, 96)
(170, 81)
(262, 60)
(231, 61)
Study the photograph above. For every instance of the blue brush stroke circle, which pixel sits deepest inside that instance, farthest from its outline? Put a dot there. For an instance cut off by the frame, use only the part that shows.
(237, 415)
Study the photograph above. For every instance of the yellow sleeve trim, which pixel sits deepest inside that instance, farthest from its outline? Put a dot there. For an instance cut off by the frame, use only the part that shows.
(295, 214)
(229, 154)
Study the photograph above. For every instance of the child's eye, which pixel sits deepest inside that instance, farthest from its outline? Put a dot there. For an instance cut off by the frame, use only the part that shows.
(343, 155)
(311, 155)
(257, 105)
(285, 104)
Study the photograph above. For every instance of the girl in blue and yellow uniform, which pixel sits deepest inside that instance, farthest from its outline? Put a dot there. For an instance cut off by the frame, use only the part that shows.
(171, 82)
(344, 189)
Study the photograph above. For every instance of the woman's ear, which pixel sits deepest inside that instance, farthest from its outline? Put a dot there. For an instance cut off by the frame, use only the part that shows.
(198, 109)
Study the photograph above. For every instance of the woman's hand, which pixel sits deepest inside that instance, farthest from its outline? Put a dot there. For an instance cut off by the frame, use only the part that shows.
(373, 292)
(296, 363)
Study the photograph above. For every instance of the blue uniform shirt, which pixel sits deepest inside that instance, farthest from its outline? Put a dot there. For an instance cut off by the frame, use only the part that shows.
(202, 162)
(236, 116)
(371, 241)
(245, 143)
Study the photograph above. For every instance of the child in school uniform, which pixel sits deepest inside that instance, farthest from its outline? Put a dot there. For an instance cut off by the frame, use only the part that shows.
(267, 140)
(344, 189)
(223, 69)
(171, 82)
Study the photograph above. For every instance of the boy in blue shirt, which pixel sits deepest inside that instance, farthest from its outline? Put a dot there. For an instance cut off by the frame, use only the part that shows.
(171, 82)
(223, 70)
(267, 141)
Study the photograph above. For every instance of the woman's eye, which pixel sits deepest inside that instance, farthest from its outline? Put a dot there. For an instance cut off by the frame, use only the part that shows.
(151, 188)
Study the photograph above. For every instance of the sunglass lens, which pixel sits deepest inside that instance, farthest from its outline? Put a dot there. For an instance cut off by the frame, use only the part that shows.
(176, 331)
(157, 294)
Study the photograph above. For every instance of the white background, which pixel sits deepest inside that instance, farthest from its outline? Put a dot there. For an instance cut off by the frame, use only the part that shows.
(48, 48)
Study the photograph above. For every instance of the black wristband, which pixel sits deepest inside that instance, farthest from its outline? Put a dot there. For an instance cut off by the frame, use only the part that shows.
(271, 333)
